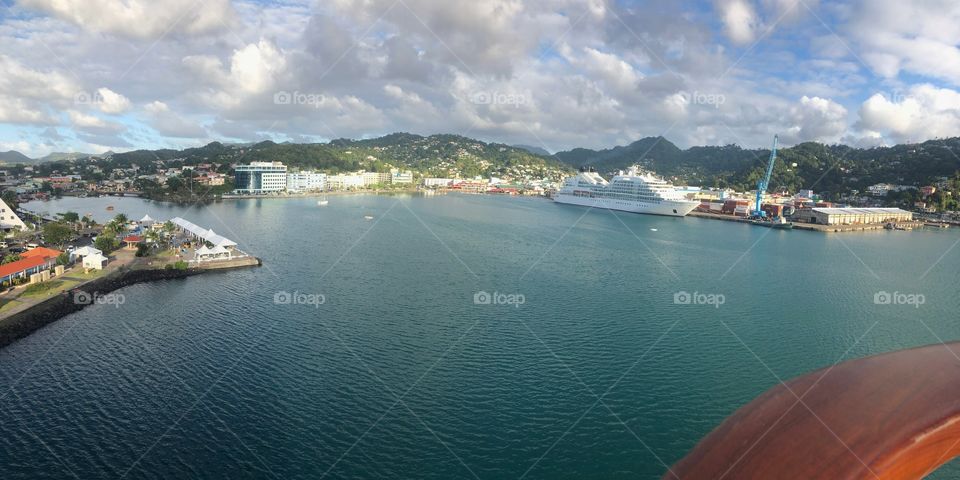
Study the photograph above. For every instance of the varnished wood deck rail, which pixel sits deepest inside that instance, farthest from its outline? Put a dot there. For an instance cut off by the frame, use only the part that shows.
(890, 416)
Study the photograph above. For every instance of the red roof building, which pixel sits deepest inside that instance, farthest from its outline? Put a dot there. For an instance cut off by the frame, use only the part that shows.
(24, 267)
(41, 252)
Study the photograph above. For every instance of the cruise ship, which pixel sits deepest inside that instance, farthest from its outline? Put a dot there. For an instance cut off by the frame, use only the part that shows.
(632, 191)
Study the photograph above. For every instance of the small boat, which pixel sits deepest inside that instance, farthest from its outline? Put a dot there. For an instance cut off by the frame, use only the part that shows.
(109, 208)
(368, 217)
(322, 203)
(653, 229)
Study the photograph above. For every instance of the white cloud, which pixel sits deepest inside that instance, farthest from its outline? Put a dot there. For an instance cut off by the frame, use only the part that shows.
(740, 20)
(93, 124)
(139, 18)
(27, 82)
(918, 37)
(594, 74)
(923, 112)
(817, 119)
(170, 124)
(111, 102)
(254, 69)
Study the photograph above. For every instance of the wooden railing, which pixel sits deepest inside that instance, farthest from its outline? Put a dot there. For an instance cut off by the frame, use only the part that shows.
(890, 416)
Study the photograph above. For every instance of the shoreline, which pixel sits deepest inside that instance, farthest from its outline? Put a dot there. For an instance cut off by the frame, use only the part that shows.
(812, 227)
(321, 194)
(23, 323)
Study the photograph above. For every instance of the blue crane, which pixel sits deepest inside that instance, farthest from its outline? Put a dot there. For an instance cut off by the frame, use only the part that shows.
(762, 184)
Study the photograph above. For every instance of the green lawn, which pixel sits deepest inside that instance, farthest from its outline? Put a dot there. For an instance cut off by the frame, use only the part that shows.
(85, 275)
(7, 304)
(42, 288)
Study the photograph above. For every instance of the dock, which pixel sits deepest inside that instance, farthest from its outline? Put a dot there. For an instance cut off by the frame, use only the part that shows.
(816, 227)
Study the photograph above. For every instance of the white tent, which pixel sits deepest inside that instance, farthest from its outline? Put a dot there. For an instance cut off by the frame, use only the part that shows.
(207, 235)
(83, 252)
(146, 220)
(217, 252)
(94, 261)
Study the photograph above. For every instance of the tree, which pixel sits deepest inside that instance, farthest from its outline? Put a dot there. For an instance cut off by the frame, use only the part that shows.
(174, 183)
(121, 219)
(106, 242)
(63, 258)
(10, 198)
(57, 233)
(13, 257)
(71, 217)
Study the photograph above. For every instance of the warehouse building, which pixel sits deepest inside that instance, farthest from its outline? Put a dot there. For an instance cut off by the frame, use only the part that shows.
(848, 216)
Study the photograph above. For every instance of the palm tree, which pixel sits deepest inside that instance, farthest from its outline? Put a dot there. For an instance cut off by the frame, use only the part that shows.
(121, 219)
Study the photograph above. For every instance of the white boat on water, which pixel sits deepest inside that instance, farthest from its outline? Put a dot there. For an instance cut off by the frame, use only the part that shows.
(632, 191)
(323, 203)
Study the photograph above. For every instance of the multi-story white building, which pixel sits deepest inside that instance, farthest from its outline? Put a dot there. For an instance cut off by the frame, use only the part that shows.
(375, 178)
(437, 182)
(344, 182)
(396, 176)
(306, 181)
(260, 177)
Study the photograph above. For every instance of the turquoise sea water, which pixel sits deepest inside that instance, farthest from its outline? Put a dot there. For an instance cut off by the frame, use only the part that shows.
(400, 374)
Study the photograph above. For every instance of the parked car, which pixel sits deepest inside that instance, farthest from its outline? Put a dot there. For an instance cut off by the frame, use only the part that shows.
(33, 245)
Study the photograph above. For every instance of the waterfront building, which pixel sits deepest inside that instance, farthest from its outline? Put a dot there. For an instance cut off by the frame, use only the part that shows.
(206, 254)
(375, 178)
(259, 178)
(306, 181)
(210, 178)
(344, 182)
(41, 260)
(399, 177)
(437, 182)
(846, 216)
(298, 182)
(9, 220)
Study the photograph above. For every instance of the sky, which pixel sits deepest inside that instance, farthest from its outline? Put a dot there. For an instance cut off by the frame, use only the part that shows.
(97, 75)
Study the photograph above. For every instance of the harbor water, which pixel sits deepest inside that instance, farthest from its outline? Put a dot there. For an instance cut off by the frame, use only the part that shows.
(454, 337)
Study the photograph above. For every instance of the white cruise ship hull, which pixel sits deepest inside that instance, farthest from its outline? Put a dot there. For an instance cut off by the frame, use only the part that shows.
(672, 208)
